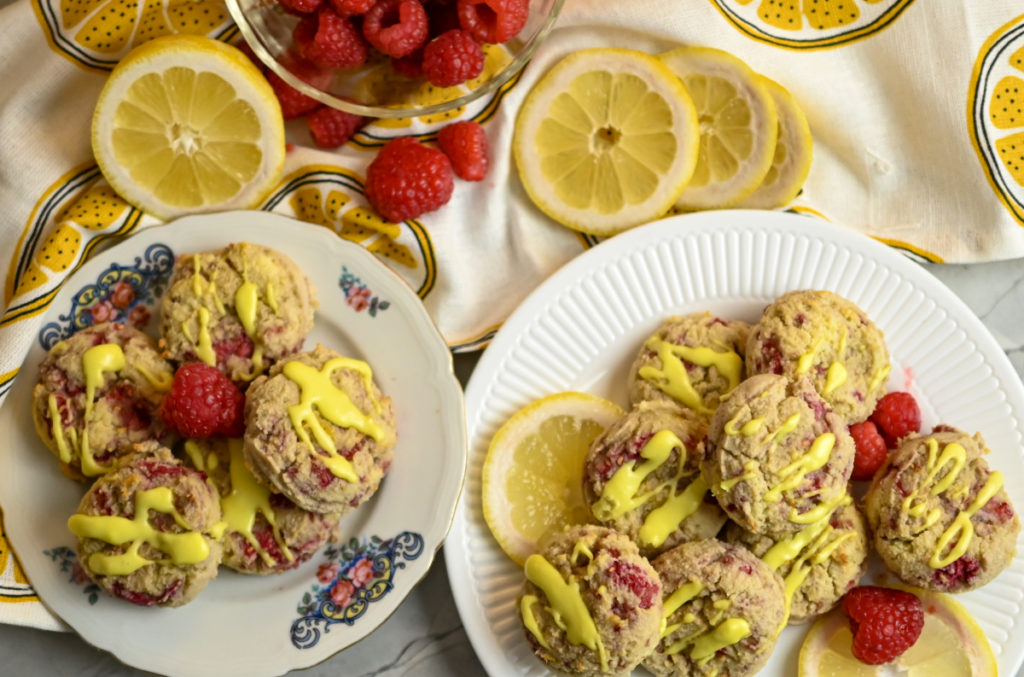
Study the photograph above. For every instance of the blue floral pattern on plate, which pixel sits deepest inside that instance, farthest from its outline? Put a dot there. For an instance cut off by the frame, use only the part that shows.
(121, 293)
(66, 558)
(354, 575)
(358, 295)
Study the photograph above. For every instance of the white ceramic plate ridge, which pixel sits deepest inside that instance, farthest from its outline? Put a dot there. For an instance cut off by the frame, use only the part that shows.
(583, 327)
(256, 625)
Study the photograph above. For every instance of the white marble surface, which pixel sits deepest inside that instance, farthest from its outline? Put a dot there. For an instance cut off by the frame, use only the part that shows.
(425, 637)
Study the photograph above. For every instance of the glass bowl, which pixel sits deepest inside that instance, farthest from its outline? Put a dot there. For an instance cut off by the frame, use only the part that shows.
(375, 89)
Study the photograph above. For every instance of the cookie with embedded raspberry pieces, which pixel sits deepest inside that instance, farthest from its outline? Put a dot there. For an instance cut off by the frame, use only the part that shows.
(723, 610)
(319, 431)
(97, 396)
(591, 603)
(165, 559)
(940, 517)
(240, 308)
(642, 477)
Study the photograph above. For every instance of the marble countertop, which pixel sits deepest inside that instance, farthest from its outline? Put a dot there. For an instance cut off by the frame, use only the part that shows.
(425, 637)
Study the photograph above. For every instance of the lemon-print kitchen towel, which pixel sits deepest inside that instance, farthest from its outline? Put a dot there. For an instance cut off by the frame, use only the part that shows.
(915, 108)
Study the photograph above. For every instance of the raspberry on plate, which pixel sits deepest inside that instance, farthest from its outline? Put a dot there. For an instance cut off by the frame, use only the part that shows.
(452, 58)
(897, 415)
(396, 27)
(884, 622)
(871, 450)
(465, 144)
(493, 21)
(203, 402)
(331, 127)
(407, 179)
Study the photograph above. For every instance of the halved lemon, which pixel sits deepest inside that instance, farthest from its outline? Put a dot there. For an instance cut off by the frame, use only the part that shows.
(738, 126)
(188, 124)
(606, 140)
(533, 472)
(794, 150)
(951, 645)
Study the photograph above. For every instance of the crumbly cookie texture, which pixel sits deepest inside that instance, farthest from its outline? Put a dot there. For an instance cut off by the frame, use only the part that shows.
(779, 458)
(170, 557)
(819, 563)
(286, 432)
(724, 609)
(591, 604)
(941, 518)
(692, 360)
(240, 308)
(642, 477)
(97, 396)
(830, 340)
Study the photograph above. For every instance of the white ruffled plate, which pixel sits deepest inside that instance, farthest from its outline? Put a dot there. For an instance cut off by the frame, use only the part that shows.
(583, 327)
(254, 625)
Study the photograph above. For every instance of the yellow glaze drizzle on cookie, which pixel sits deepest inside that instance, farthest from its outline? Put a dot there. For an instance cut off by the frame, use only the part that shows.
(204, 345)
(960, 532)
(915, 505)
(672, 378)
(530, 619)
(726, 633)
(189, 547)
(566, 603)
(320, 397)
(793, 474)
(683, 594)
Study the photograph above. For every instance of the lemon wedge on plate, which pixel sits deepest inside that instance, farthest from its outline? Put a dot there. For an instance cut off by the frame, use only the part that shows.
(794, 150)
(188, 124)
(533, 472)
(606, 140)
(738, 126)
(951, 645)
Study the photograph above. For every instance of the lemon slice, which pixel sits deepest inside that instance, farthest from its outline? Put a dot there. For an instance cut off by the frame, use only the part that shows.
(951, 645)
(533, 472)
(793, 152)
(606, 140)
(188, 124)
(738, 126)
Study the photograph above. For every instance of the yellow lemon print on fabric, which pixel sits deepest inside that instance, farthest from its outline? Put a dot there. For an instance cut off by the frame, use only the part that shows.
(75, 215)
(810, 24)
(333, 197)
(995, 114)
(97, 33)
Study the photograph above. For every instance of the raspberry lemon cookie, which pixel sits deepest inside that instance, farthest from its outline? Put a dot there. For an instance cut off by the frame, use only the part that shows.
(591, 603)
(149, 532)
(240, 309)
(779, 458)
(940, 517)
(319, 431)
(642, 477)
(723, 610)
(818, 564)
(265, 532)
(830, 340)
(97, 397)
(692, 360)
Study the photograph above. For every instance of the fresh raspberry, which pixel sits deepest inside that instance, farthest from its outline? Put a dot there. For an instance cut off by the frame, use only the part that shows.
(897, 415)
(410, 65)
(337, 43)
(884, 622)
(332, 127)
(465, 144)
(407, 179)
(351, 7)
(396, 27)
(203, 402)
(634, 579)
(452, 58)
(301, 6)
(871, 450)
(293, 102)
(493, 21)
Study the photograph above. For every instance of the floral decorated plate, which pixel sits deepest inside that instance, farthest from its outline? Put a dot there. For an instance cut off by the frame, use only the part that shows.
(254, 625)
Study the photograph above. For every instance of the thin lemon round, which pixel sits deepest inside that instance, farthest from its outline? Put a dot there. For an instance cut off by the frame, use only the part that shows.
(187, 124)
(533, 472)
(951, 645)
(606, 140)
(794, 150)
(738, 126)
